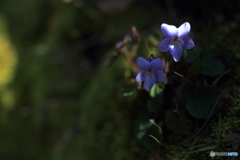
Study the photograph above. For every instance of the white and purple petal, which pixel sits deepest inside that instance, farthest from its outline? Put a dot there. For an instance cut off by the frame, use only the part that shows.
(156, 64)
(149, 80)
(169, 31)
(160, 76)
(163, 46)
(187, 42)
(176, 51)
(140, 76)
(143, 64)
(184, 29)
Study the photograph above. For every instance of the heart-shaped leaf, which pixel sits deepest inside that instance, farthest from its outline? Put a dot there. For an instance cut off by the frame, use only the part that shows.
(190, 55)
(196, 67)
(211, 66)
(153, 104)
(201, 105)
(177, 123)
(143, 132)
(156, 90)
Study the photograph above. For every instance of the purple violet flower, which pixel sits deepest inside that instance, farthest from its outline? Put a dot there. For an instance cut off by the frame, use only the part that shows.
(176, 39)
(150, 72)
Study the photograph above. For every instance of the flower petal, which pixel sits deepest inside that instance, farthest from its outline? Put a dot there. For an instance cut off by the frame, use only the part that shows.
(163, 46)
(160, 76)
(187, 42)
(169, 30)
(149, 81)
(143, 64)
(176, 51)
(157, 64)
(140, 76)
(184, 29)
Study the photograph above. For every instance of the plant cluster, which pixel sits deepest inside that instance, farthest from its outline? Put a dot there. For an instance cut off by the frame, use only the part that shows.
(184, 92)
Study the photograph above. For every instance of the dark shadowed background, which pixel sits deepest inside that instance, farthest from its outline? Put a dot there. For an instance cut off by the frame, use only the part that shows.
(58, 100)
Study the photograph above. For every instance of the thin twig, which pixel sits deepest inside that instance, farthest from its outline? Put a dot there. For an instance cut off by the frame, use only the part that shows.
(184, 78)
(220, 76)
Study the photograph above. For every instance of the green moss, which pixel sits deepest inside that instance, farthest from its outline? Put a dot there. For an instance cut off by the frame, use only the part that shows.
(107, 129)
(223, 130)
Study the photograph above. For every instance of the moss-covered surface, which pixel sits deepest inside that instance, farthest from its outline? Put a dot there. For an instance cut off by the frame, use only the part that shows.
(220, 135)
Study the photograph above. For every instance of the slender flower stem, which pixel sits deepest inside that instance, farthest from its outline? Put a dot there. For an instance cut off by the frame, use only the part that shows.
(132, 61)
(151, 57)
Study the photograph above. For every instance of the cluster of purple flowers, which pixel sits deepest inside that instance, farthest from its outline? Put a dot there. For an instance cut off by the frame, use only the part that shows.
(176, 39)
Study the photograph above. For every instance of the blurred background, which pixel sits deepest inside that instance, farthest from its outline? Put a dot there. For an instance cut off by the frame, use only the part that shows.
(58, 100)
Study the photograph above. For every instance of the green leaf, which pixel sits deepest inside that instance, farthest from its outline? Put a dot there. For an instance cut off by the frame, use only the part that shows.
(190, 55)
(195, 67)
(156, 90)
(153, 104)
(177, 123)
(128, 91)
(143, 131)
(211, 66)
(201, 105)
